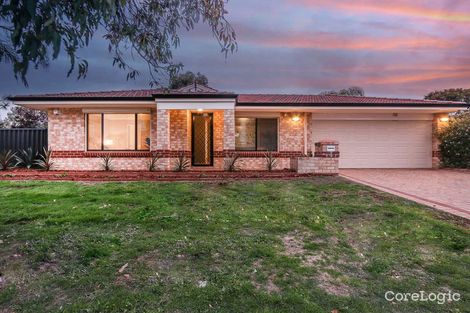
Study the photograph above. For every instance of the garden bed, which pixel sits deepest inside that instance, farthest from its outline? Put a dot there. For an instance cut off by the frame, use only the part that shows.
(32, 174)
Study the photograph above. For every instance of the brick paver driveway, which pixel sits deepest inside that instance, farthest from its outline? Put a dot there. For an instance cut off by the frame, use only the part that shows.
(447, 190)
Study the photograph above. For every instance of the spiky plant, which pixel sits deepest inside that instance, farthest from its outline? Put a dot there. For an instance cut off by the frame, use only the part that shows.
(181, 163)
(45, 159)
(106, 163)
(152, 163)
(231, 162)
(26, 158)
(271, 161)
(7, 159)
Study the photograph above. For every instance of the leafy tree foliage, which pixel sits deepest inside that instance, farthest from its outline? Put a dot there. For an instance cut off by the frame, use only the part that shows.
(4, 103)
(351, 91)
(34, 32)
(453, 94)
(21, 117)
(455, 141)
(185, 79)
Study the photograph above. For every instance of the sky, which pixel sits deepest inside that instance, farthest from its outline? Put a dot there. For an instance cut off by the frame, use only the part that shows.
(400, 48)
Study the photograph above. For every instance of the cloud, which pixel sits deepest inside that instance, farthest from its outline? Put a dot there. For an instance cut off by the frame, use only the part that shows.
(344, 41)
(453, 11)
(391, 48)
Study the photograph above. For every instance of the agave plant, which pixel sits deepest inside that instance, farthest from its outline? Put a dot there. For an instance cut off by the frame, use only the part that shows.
(26, 158)
(181, 163)
(231, 162)
(152, 163)
(106, 163)
(45, 159)
(271, 161)
(7, 158)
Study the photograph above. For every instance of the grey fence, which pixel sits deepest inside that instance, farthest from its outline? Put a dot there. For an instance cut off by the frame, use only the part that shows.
(23, 138)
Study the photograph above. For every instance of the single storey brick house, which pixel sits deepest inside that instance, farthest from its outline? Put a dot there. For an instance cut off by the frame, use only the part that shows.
(307, 133)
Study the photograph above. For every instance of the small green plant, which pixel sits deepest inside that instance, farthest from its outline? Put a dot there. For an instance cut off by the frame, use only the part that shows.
(271, 161)
(7, 159)
(181, 163)
(45, 160)
(153, 162)
(106, 163)
(231, 162)
(26, 158)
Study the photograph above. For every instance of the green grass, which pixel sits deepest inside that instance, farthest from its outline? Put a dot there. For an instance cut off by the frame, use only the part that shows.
(300, 246)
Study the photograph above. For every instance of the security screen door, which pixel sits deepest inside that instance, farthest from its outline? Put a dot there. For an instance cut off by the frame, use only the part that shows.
(202, 139)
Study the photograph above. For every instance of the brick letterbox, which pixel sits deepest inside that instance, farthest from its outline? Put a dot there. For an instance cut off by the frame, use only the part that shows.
(326, 149)
(324, 161)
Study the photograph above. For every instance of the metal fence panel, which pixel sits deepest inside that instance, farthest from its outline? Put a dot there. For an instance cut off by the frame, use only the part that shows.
(23, 138)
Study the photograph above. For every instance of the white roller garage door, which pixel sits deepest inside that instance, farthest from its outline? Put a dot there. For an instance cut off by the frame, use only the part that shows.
(379, 144)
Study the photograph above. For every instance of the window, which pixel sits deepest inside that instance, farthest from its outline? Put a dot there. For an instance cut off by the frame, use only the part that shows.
(255, 134)
(118, 131)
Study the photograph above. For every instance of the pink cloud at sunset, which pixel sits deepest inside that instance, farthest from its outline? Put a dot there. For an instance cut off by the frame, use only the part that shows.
(324, 40)
(434, 10)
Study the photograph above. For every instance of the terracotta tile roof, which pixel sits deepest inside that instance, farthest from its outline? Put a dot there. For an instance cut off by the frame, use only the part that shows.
(138, 94)
(242, 99)
(279, 99)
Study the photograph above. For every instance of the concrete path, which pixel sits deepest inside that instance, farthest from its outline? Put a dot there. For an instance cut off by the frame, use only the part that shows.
(446, 190)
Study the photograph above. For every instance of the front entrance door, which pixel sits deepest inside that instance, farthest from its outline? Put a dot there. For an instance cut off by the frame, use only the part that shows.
(202, 139)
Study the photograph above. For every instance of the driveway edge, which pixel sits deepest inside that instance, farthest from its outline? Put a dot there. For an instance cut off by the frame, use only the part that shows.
(430, 203)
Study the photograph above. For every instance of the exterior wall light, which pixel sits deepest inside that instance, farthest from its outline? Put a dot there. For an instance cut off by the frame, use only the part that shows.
(56, 112)
(296, 118)
(200, 110)
(444, 119)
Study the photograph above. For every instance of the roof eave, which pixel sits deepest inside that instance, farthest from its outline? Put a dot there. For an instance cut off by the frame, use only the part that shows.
(194, 95)
(366, 105)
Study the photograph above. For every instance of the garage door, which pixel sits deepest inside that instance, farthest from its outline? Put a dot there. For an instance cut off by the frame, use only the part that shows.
(379, 144)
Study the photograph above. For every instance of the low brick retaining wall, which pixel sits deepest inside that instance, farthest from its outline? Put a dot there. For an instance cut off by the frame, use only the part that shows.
(315, 165)
(21, 174)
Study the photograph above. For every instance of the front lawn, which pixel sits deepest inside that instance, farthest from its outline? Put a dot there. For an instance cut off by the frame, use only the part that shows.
(313, 245)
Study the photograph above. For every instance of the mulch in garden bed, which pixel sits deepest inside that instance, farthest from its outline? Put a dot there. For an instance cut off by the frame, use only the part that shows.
(23, 174)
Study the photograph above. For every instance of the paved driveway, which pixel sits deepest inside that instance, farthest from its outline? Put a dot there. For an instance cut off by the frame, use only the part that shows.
(447, 190)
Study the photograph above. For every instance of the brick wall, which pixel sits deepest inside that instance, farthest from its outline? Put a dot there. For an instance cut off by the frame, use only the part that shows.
(218, 125)
(95, 164)
(436, 126)
(179, 137)
(291, 133)
(153, 130)
(323, 162)
(259, 164)
(66, 131)
(229, 130)
(171, 132)
(163, 129)
(309, 121)
(315, 165)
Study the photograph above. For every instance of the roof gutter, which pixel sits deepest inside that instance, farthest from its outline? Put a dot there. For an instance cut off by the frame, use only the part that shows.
(461, 105)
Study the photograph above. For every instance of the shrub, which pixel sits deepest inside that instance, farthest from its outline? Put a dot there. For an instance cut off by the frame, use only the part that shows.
(7, 159)
(26, 158)
(455, 141)
(45, 161)
(271, 161)
(181, 163)
(106, 163)
(152, 163)
(231, 162)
